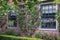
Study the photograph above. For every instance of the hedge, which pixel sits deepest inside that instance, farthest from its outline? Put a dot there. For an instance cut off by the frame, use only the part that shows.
(9, 37)
(58, 37)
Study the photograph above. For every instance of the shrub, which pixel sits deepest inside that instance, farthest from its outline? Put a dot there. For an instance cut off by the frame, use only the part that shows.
(10, 23)
(38, 35)
(11, 32)
(45, 36)
(9, 37)
(58, 37)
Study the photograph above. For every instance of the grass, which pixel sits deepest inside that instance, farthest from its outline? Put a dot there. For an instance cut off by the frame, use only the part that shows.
(18, 37)
(58, 37)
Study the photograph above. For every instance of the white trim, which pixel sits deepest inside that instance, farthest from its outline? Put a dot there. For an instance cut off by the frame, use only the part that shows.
(43, 0)
(56, 7)
(57, 24)
(47, 3)
(46, 29)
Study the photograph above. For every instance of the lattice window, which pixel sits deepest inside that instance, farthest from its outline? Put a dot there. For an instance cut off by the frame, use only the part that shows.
(48, 11)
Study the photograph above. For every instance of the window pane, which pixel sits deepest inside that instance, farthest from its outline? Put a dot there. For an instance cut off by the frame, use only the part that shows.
(50, 6)
(46, 11)
(46, 8)
(43, 7)
(49, 25)
(54, 9)
(51, 11)
(43, 11)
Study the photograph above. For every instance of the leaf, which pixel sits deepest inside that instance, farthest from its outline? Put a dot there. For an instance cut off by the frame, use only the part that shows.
(57, 1)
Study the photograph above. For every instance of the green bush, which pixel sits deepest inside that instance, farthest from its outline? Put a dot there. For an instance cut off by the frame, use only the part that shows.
(58, 37)
(10, 23)
(9, 37)
(11, 32)
(45, 36)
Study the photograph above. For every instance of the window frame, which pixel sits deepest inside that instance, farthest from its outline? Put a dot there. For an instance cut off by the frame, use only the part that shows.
(49, 29)
(40, 17)
(48, 25)
(10, 18)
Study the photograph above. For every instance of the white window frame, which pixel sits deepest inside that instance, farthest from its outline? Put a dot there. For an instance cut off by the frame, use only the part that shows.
(56, 20)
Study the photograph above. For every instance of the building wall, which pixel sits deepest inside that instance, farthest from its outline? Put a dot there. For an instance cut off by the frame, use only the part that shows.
(54, 32)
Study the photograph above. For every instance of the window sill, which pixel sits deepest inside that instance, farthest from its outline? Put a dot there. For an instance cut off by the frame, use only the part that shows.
(12, 27)
(46, 29)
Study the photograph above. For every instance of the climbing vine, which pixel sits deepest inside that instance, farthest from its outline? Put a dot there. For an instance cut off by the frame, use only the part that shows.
(28, 18)
(27, 15)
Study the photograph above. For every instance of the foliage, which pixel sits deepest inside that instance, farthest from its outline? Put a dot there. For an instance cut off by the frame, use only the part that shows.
(58, 37)
(45, 36)
(28, 18)
(25, 24)
(2, 20)
(9, 37)
(58, 19)
(11, 32)
(57, 1)
(5, 7)
(10, 23)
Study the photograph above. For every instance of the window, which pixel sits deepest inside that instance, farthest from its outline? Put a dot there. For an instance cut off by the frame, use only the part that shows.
(48, 8)
(48, 11)
(12, 19)
(51, 15)
(49, 25)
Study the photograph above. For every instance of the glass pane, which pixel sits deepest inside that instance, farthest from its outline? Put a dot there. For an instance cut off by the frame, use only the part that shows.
(49, 25)
(46, 11)
(54, 9)
(46, 7)
(50, 6)
(43, 7)
(50, 11)
(43, 11)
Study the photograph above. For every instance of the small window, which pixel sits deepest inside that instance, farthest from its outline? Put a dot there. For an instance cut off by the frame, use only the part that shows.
(12, 19)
